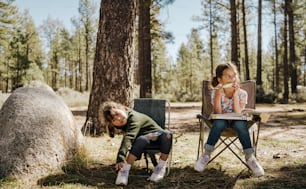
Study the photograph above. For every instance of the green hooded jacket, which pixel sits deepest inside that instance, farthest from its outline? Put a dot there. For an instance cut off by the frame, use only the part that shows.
(137, 124)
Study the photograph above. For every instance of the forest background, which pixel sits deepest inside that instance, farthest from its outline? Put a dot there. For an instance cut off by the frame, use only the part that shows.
(70, 58)
(64, 59)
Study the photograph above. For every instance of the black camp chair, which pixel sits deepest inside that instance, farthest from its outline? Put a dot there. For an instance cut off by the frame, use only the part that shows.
(159, 111)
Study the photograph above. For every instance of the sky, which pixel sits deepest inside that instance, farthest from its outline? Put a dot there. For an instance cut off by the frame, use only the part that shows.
(63, 10)
(176, 17)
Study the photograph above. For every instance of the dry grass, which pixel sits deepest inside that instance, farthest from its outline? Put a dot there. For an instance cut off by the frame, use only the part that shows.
(287, 167)
(3, 97)
(281, 152)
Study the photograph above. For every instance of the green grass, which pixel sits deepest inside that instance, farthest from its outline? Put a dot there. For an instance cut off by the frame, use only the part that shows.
(93, 168)
(281, 152)
(9, 183)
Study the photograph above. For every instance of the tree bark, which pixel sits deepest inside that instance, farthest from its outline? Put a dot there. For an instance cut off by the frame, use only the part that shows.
(113, 64)
(144, 49)
(245, 36)
(292, 57)
(80, 74)
(259, 46)
(277, 66)
(234, 37)
(211, 40)
(285, 59)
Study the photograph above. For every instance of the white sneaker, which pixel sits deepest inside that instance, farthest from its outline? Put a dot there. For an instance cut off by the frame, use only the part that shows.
(158, 174)
(255, 166)
(122, 177)
(201, 163)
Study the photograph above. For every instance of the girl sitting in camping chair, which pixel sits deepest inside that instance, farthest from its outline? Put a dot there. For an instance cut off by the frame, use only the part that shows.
(227, 97)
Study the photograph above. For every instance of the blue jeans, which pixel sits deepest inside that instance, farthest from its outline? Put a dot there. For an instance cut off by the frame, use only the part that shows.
(241, 128)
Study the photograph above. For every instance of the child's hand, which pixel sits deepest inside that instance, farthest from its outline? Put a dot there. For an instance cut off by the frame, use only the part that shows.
(119, 166)
(236, 86)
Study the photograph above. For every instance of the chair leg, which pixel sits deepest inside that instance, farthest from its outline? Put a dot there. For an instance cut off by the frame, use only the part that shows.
(169, 164)
(153, 159)
(237, 147)
(242, 161)
(256, 139)
(147, 162)
(226, 146)
(201, 139)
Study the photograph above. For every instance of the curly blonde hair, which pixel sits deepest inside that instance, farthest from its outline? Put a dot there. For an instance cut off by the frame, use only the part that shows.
(106, 115)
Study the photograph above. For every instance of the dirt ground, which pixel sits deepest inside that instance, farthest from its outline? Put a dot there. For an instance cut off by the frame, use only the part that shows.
(185, 113)
(282, 116)
(281, 151)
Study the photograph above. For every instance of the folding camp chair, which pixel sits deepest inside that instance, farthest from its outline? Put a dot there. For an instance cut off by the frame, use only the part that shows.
(159, 111)
(229, 136)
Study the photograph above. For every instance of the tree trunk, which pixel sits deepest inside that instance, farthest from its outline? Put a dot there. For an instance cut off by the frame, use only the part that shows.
(245, 36)
(304, 67)
(234, 46)
(285, 59)
(277, 69)
(113, 64)
(211, 40)
(87, 58)
(292, 57)
(80, 75)
(144, 49)
(72, 73)
(55, 70)
(259, 56)
(1, 83)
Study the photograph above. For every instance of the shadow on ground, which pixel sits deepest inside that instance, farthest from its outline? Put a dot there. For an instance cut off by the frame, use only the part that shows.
(288, 177)
(102, 176)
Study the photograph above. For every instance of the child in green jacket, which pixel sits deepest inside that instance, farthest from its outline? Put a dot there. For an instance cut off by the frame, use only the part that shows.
(139, 132)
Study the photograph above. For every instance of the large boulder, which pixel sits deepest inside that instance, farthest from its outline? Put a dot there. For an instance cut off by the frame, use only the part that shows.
(38, 134)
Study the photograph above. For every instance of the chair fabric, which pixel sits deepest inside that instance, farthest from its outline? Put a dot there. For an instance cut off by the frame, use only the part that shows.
(159, 111)
(155, 108)
(228, 136)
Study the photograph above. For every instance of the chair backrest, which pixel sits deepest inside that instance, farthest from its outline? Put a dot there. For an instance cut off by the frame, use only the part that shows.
(155, 108)
(249, 86)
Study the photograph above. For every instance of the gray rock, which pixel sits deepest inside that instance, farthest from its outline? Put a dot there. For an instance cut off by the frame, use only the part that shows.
(38, 134)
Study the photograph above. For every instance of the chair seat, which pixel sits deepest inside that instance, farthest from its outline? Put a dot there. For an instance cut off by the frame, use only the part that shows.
(230, 132)
(152, 148)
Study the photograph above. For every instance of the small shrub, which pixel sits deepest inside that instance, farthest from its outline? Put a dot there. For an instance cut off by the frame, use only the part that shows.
(9, 183)
(79, 162)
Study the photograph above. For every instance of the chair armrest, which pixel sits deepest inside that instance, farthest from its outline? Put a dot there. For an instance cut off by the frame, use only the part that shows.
(199, 116)
(202, 116)
(257, 116)
(248, 111)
